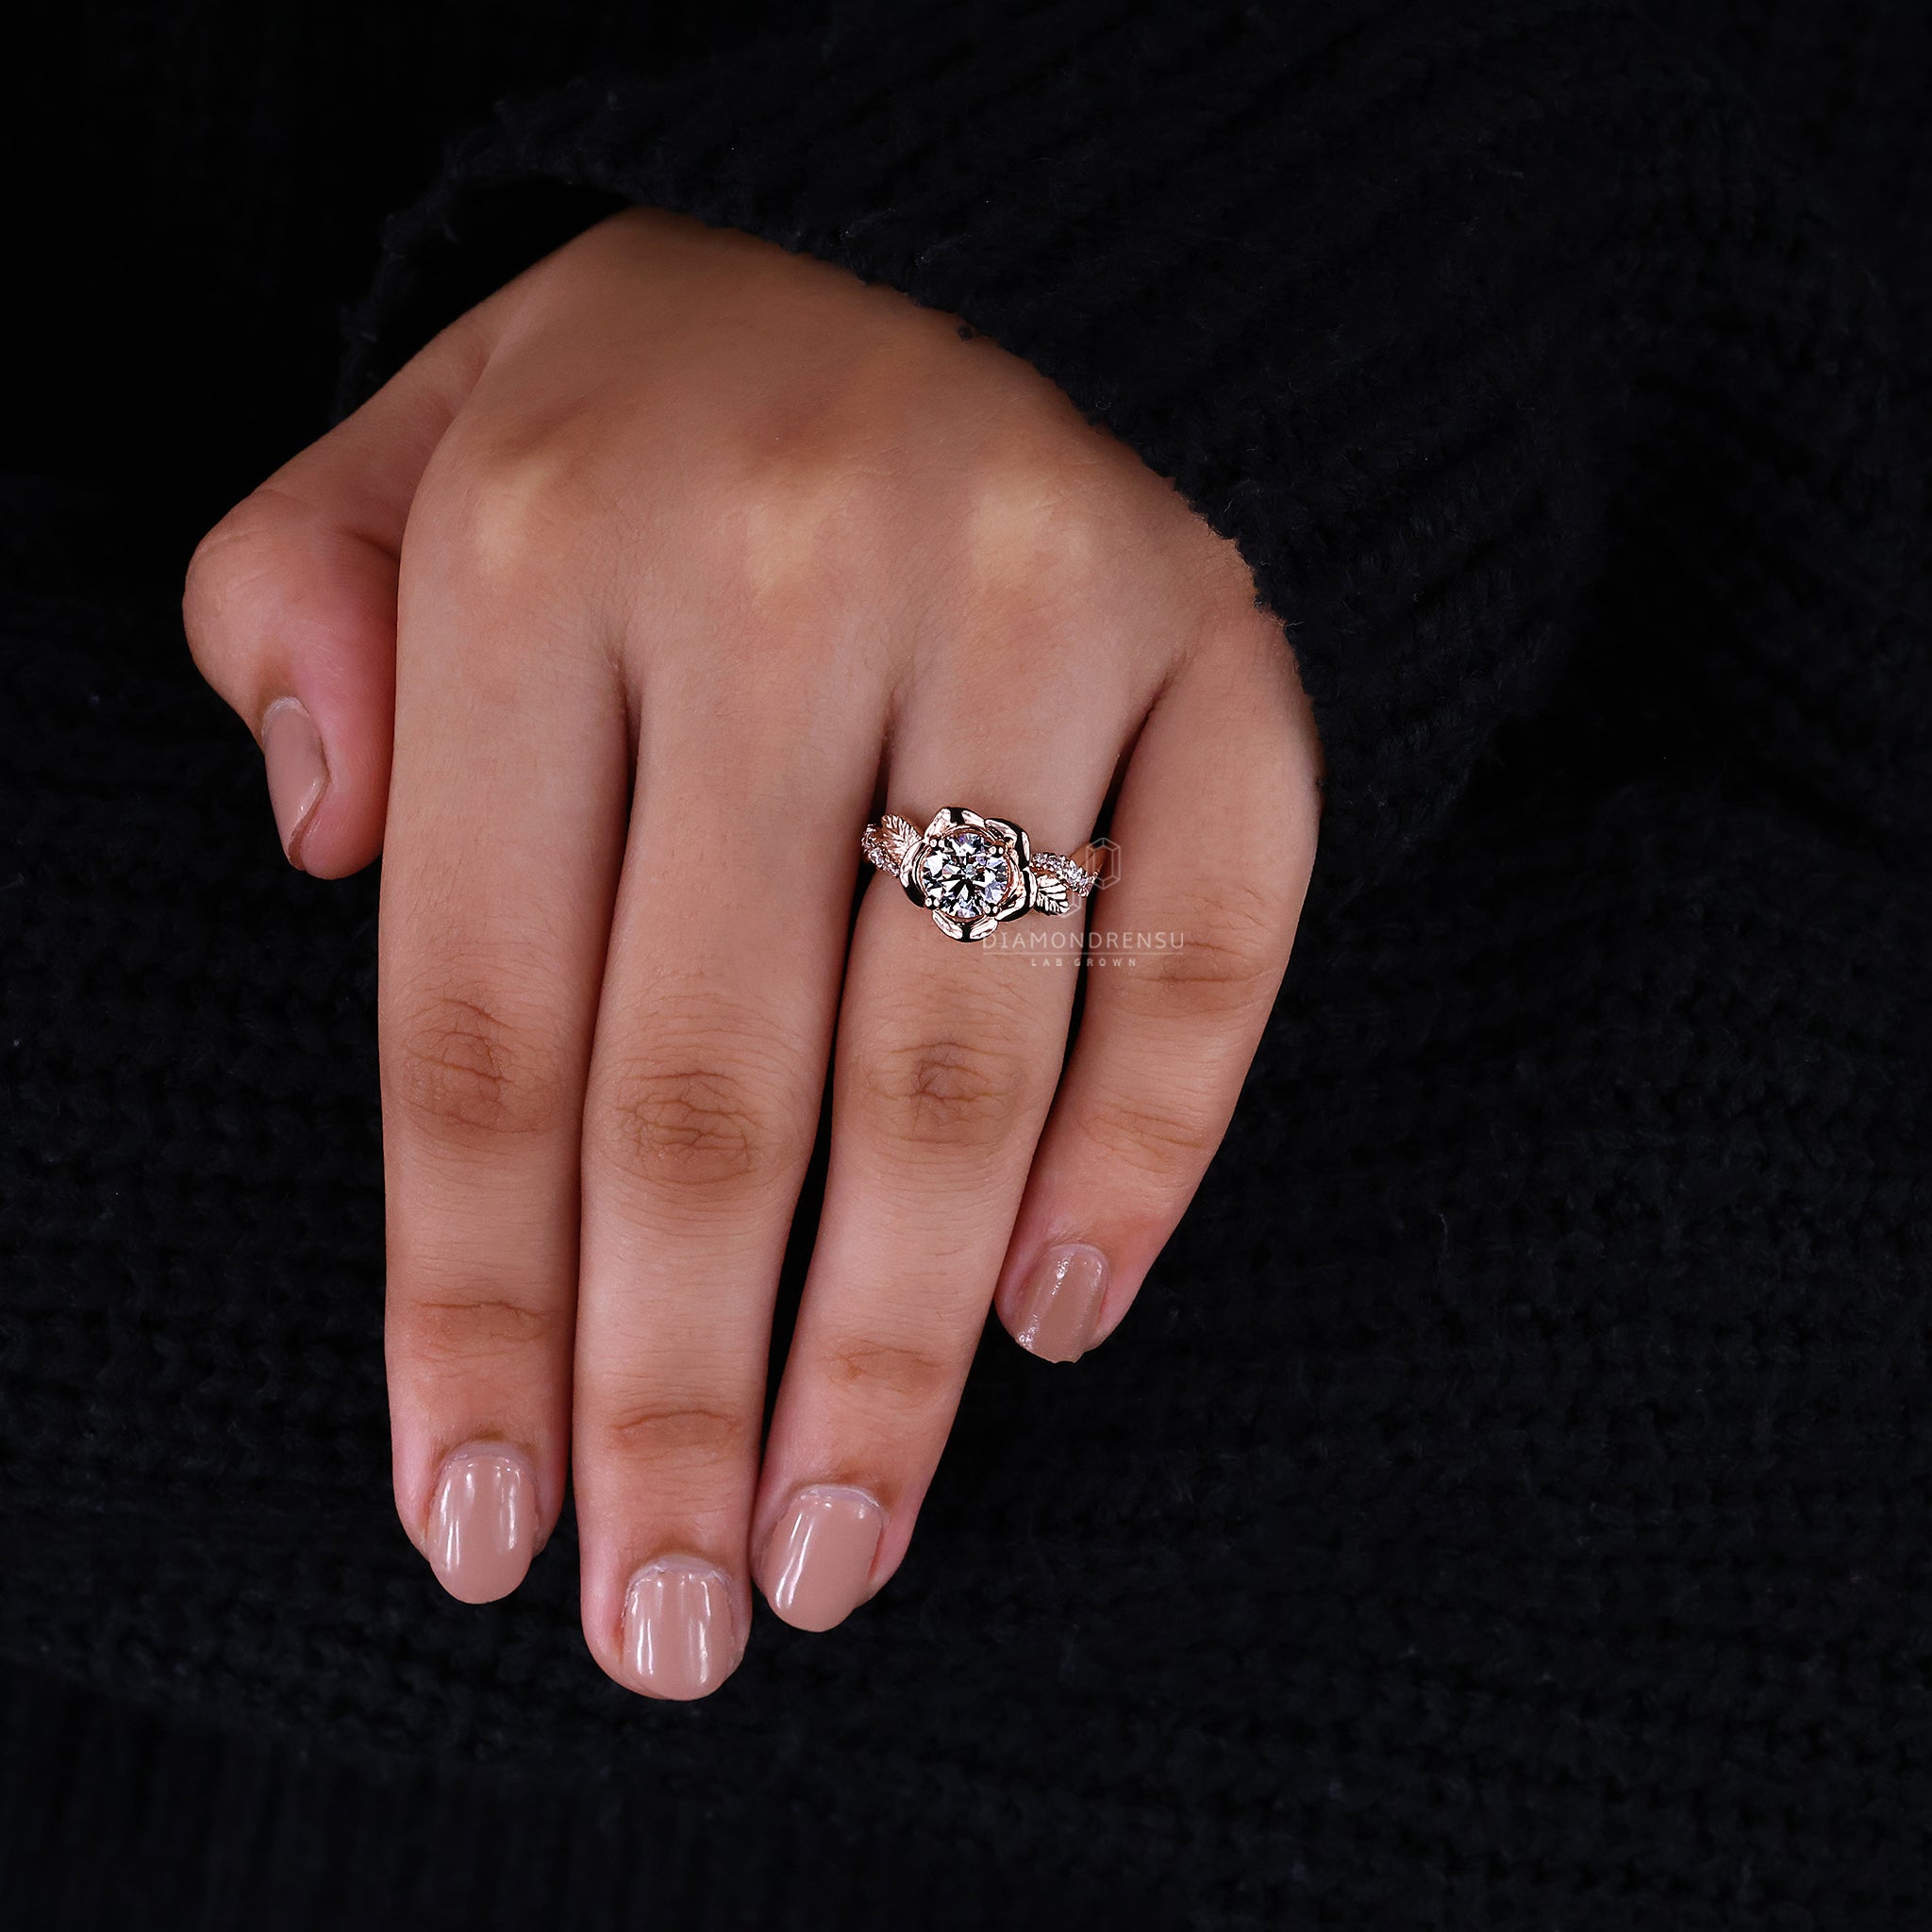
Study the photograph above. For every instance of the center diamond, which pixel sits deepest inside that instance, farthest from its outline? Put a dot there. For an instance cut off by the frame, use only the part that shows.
(965, 874)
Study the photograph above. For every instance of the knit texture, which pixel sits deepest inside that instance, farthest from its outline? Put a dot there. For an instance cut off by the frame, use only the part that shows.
(1508, 1504)
(115, 1818)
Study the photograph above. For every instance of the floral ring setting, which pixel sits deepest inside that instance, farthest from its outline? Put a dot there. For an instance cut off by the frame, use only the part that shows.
(974, 873)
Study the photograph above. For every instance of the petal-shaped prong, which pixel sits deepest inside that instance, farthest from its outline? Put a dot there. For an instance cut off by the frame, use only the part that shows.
(982, 928)
(1018, 894)
(1006, 830)
(949, 818)
(950, 926)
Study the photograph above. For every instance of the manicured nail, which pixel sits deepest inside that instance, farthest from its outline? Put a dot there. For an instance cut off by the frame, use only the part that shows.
(677, 1635)
(1060, 1302)
(297, 771)
(483, 1523)
(818, 1564)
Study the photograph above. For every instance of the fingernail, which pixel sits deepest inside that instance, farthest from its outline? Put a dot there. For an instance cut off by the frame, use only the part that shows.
(483, 1523)
(297, 771)
(677, 1635)
(1060, 1302)
(818, 1564)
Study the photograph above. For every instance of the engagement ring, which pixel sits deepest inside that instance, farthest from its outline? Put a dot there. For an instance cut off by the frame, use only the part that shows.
(973, 874)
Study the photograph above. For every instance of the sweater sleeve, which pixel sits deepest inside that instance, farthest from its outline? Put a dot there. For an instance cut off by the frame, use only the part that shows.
(1477, 325)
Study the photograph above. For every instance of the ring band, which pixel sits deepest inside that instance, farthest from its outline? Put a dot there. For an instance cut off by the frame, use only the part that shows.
(974, 873)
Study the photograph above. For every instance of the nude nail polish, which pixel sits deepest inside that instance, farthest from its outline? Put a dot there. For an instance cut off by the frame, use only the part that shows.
(297, 771)
(483, 1522)
(678, 1639)
(818, 1564)
(1059, 1307)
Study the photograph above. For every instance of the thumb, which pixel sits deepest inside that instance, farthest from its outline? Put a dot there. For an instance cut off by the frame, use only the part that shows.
(290, 607)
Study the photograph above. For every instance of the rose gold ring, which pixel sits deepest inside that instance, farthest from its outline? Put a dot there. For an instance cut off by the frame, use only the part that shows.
(974, 873)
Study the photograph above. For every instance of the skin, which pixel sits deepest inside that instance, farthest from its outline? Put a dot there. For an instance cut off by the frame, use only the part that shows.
(678, 552)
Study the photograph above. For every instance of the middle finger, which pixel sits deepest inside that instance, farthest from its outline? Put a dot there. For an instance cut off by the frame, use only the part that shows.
(707, 1077)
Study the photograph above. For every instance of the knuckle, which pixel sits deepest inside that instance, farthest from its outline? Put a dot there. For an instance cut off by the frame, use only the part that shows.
(944, 1090)
(718, 1094)
(792, 531)
(511, 499)
(457, 1063)
(1229, 961)
(897, 1378)
(456, 1330)
(1149, 1140)
(693, 1123)
(709, 1100)
(211, 573)
(234, 566)
(1038, 526)
(670, 1430)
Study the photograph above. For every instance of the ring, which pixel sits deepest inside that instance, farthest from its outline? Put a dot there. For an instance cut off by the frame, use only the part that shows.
(973, 874)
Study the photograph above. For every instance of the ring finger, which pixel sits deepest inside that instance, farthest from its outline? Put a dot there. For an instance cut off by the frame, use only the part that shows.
(946, 1062)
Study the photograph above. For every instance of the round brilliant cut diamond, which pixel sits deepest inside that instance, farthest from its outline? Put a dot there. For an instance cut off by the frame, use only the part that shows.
(965, 874)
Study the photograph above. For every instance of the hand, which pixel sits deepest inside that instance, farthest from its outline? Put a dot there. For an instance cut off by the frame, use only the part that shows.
(611, 620)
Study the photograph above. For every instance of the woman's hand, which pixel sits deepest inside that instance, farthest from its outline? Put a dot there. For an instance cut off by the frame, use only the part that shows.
(610, 620)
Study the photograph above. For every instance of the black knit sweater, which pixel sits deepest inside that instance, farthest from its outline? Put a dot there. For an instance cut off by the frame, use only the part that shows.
(1510, 1503)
